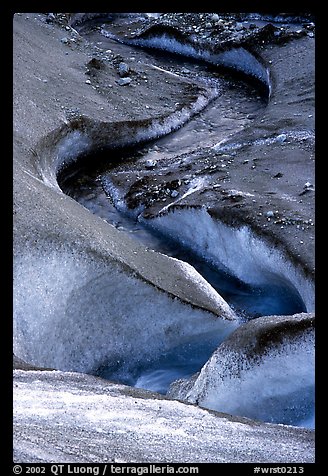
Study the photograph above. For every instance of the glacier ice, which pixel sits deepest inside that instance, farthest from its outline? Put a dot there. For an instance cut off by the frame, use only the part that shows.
(264, 371)
(70, 305)
(72, 312)
(84, 419)
(237, 58)
(234, 249)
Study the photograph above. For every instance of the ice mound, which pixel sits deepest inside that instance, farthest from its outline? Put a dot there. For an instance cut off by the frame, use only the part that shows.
(264, 371)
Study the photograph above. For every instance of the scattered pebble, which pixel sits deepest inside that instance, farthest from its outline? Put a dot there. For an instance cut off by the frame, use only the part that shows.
(124, 81)
(308, 185)
(281, 138)
(123, 69)
(150, 164)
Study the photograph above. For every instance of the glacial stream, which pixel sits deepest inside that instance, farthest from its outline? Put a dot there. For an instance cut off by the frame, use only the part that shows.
(235, 107)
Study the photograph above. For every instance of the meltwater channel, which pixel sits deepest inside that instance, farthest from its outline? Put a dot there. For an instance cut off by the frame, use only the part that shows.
(83, 181)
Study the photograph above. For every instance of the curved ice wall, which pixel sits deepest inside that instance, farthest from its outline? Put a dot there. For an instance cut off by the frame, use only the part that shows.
(75, 311)
(84, 135)
(236, 58)
(235, 249)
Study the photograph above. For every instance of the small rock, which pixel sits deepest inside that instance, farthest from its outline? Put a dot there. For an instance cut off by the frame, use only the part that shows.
(215, 17)
(88, 81)
(281, 138)
(95, 63)
(308, 185)
(65, 40)
(124, 81)
(150, 163)
(174, 193)
(278, 175)
(269, 214)
(123, 69)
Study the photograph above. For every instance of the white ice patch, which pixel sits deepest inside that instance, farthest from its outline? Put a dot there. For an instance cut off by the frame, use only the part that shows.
(68, 149)
(168, 43)
(280, 138)
(118, 199)
(236, 250)
(163, 126)
(196, 184)
(206, 288)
